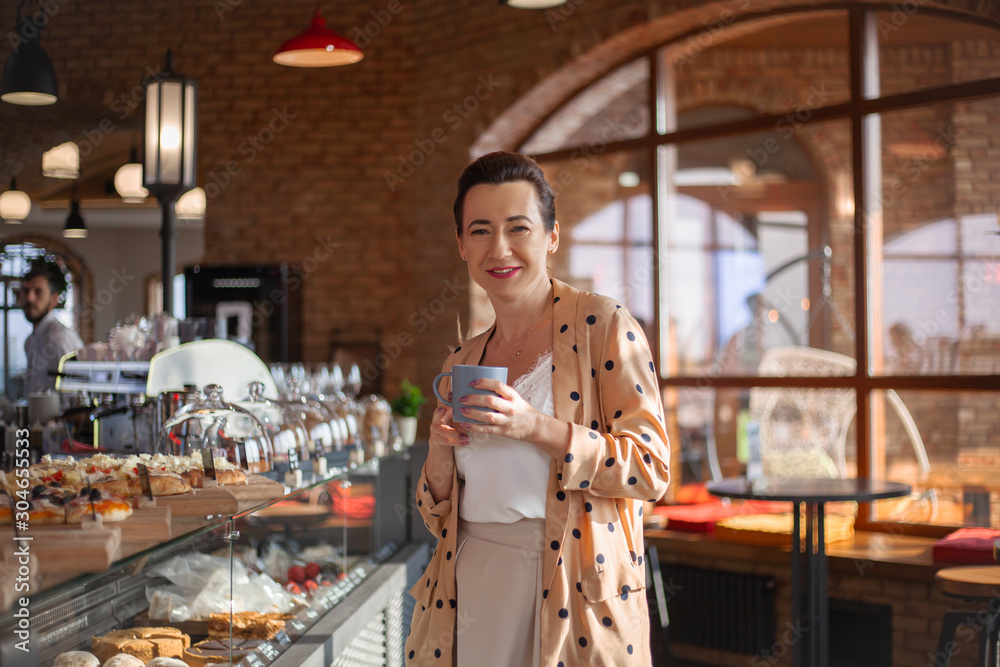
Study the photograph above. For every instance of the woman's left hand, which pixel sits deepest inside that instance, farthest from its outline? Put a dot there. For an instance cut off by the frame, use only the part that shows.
(514, 416)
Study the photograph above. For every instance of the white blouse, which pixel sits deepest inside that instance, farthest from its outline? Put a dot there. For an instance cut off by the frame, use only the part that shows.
(505, 479)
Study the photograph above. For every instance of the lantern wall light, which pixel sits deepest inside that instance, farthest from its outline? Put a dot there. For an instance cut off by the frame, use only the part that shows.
(170, 159)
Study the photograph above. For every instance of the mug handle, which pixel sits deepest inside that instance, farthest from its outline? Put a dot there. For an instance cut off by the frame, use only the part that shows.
(438, 393)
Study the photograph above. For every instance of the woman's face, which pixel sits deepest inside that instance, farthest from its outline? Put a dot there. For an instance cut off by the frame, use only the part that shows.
(504, 239)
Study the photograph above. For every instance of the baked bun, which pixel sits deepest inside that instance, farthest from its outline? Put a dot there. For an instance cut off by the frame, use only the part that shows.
(124, 660)
(166, 662)
(76, 659)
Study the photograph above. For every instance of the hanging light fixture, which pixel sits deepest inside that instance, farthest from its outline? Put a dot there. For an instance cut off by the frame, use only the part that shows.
(14, 204)
(318, 46)
(533, 4)
(63, 161)
(170, 160)
(28, 76)
(128, 181)
(192, 205)
(75, 227)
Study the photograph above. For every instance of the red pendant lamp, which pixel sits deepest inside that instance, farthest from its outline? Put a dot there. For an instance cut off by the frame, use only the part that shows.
(318, 46)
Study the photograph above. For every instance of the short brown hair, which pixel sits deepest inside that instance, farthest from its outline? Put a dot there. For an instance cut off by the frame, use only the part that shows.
(506, 167)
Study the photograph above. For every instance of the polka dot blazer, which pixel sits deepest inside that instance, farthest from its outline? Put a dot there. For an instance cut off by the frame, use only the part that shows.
(594, 603)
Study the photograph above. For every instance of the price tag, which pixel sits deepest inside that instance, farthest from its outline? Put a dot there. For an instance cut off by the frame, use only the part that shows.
(208, 461)
(311, 614)
(268, 650)
(252, 660)
(282, 639)
(296, 627)
(147, 490)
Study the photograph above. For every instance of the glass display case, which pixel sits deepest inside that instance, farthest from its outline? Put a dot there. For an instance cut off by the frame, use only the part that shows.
(211, 579)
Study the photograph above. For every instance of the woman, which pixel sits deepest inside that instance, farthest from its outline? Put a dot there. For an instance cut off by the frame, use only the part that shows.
(539, 508)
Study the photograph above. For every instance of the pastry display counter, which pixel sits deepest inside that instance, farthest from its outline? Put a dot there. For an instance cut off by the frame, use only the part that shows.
(224, 574)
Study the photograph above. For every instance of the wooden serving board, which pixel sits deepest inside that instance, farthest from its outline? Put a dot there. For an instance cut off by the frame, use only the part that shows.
(256, 488)
(145, 525)
(200, 502)
(81, 551)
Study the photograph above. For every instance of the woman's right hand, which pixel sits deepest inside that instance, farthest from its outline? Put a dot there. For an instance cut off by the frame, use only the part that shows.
(443, 431)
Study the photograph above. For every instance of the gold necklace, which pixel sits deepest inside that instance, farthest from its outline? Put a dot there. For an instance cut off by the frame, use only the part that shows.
(517, 354)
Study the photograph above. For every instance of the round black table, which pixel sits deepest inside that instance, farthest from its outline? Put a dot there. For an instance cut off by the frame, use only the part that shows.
(809, 567)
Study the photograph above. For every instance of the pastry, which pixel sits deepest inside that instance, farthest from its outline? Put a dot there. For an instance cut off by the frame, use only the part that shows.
(142, 642)
(107, 647)
(124, 660)
(213, 651)
(76, 659)
(247, 625)
(166, 662)
(110, 508)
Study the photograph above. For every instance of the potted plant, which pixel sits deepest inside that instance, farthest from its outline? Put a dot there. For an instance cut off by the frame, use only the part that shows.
(406, 408)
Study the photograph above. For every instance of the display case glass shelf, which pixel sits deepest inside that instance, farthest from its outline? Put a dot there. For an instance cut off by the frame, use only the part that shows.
(226, 573)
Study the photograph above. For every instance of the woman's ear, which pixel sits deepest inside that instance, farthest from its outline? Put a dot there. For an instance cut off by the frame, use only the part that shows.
(554, 238)
(461, 246)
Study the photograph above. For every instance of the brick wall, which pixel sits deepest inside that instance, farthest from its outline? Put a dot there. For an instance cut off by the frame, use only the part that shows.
(363, 158)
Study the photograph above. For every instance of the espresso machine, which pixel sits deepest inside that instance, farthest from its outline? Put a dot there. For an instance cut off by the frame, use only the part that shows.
(118, 415)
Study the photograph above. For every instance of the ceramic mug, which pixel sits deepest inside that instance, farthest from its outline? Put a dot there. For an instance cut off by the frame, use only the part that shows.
(461, 376)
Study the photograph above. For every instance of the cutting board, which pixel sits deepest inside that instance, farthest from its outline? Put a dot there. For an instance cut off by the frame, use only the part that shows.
(256, 488)
(80, 551)
(200, 502)
(145, 525)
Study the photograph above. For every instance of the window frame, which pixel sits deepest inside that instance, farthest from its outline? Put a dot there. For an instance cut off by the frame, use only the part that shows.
(862, 111)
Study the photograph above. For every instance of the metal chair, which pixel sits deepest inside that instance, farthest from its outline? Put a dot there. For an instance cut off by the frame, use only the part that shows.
(977, 584)
(659, 622)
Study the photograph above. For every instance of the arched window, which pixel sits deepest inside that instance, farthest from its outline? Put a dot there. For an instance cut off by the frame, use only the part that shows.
(805, 198)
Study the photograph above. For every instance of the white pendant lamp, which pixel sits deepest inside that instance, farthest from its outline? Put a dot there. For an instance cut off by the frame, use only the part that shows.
(14, 205)
(63, 161)
(128, 181)
(191, 205)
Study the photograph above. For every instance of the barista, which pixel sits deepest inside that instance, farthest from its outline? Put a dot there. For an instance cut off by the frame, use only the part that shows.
(41, 288)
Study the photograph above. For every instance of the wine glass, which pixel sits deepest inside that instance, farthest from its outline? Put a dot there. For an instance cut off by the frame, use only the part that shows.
(336, 379)
(352, 384)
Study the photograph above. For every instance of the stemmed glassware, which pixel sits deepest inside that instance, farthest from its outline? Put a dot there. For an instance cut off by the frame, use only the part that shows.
(352, 383)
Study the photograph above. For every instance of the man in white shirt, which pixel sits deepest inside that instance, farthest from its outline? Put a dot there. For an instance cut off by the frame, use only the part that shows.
(50, 340)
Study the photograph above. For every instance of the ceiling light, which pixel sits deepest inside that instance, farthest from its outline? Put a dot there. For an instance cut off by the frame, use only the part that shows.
(192, 205)
(14, 205)
(318, 46)
(75, 227)
(128, 181)
(63, 161)
(28, 76)
(533, 4)
(629, 179)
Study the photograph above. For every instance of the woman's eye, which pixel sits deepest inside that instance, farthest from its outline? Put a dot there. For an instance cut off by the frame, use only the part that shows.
(520, 228)
(478, 232)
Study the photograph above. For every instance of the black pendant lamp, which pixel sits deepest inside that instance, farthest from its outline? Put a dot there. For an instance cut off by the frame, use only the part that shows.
(28, 76)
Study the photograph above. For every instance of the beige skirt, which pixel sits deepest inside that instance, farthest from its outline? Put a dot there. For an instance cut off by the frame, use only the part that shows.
(499, 582)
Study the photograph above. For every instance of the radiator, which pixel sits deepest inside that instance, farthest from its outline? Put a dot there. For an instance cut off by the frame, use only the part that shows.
(725, 611)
